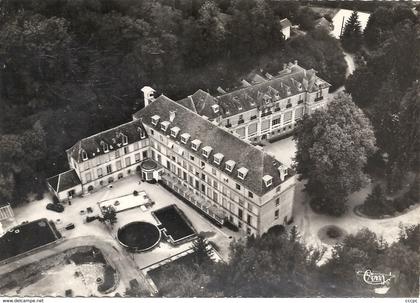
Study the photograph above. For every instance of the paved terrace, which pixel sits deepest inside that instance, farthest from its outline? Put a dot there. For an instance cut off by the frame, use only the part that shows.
(36, 209)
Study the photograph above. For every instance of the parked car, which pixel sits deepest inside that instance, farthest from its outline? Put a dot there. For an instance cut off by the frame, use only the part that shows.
(69, 226)
(55, 207)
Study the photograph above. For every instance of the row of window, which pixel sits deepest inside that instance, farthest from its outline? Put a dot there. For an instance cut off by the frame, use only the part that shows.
(267, 111)
(229, 165)
(199, 174)
(118, 165)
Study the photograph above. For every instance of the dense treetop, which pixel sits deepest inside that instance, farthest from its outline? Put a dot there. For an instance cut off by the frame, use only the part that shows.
(69, 69)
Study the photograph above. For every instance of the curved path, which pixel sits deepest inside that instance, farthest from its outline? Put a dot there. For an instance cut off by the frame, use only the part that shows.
(117, 256)
(309, 222)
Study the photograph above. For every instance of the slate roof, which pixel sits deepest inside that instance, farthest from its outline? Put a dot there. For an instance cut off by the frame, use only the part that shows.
(285, 23)
(64, 181)
(112, 137)
(244, 154)
(249, 97)
(201, 102)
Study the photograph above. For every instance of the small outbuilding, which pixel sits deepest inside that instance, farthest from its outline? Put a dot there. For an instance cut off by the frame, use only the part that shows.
(65, 185)
(285, 25)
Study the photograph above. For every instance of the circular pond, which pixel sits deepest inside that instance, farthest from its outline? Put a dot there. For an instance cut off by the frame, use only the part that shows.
(139, 236)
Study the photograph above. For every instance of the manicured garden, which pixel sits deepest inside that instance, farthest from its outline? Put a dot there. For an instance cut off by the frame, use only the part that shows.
(379, 205)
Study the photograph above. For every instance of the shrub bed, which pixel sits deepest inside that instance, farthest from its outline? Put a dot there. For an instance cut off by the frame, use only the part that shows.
(109, 279)
(377, 205)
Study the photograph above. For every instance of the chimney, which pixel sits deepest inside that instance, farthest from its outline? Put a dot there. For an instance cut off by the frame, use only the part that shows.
(284, 66)
(148, 94)
(296, 62)
(172, 115)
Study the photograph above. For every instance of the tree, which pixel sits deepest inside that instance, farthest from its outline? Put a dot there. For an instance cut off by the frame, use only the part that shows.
(376, 203)
(351, 37)
(270, 266)
(382, 21)
(185, 281)
(109, 215)
(202, 251)
(332, 149)
(356, 253)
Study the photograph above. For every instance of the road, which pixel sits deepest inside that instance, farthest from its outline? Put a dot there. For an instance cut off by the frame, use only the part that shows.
(117, 257)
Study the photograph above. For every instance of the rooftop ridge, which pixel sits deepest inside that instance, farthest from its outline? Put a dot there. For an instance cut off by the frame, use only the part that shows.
(101, 132)
(268, 81)
(263, 152)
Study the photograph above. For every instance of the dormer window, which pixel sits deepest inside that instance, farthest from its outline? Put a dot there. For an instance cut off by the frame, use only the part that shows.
(206, 151)
(195, 144)
(164, 125)
(155, 120)
(268, 180)
(84, 155)
(142, 133)
(230, 164)
(242, 172)
(124, 139)
(283, 172)
(184, 138)
(104, 147)
(215, 108)
(218, 158)
(174, 131)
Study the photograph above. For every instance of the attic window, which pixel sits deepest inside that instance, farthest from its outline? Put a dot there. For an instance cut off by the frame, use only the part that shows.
(174, 131)
(230, 164)
(218, 158)
(84, 155)
(242, 172)
(104, 147)
(164, 125)
(268, 180)
(142, 133)
(155, 119)
(124, 139)
(215, 108)
(195, 144)
(206, 151)
(184, 138)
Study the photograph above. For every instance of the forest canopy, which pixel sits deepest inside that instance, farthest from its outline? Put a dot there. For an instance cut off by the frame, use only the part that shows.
(69, 69)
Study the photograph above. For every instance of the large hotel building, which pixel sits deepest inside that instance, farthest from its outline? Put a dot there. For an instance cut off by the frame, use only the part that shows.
(201, 148)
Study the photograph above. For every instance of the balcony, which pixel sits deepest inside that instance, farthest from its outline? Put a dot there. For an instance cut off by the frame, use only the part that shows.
(240, 121)
(319, 98)
(253, 117)
(288, 105)
(188, 195)
(277, 109)
(300, 101)
(228, 125)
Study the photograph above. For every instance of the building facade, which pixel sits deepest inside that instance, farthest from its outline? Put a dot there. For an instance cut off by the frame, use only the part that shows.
(6, 212)
(265, 107)
(200, 148)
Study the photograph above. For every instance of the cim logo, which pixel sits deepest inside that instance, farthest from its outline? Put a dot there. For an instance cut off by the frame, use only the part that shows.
(375, 278)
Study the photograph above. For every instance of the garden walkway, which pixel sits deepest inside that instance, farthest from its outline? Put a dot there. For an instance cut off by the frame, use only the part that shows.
(309, 222)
